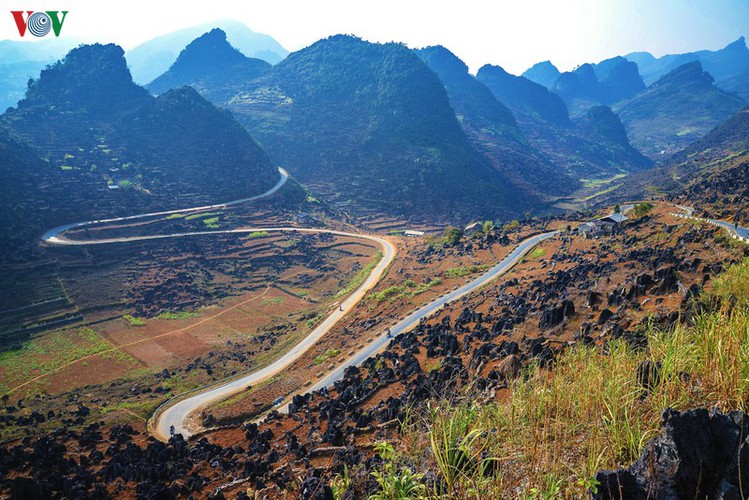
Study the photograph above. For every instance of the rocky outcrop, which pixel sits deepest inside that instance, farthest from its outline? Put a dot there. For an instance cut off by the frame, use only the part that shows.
(699, 454)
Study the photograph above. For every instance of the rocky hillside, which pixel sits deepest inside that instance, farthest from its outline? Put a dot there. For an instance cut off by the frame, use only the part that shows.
(712, 169)
(678, 109)
(212, 67)
(118, 150)
(486, 376)
(525, 98)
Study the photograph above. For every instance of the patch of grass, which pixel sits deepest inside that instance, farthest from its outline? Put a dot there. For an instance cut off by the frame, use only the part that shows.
(595, 183)
(329, 354)
(274, 301)
(66, 167)
(722, 237)
(459, 272)
(536, 254)
(310, 323)
(389, 294)
(211, 223)
(257, 234)
(202, 215)
(602, 192)
(426, 286)
(143, 409)
(406, 290)
(49, 352)
(359, 277)
(175, 216)
(169, 315)
(134, 320)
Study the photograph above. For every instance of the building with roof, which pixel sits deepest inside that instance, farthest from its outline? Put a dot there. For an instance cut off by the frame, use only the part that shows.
(604, 225)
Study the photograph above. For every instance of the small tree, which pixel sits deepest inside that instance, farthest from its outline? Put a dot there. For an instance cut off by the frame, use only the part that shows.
(452, 235)
(617, 209)
(511, 225)
(642, 209)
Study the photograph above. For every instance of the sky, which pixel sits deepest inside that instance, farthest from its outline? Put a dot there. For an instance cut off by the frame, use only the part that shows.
(511, 33)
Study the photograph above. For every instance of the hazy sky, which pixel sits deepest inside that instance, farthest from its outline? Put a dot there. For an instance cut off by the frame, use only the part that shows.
(511, 33)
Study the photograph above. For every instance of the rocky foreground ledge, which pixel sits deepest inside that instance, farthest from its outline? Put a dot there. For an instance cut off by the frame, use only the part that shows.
(699, 454)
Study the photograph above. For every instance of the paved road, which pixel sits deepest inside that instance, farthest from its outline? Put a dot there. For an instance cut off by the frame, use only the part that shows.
(413, 320)
(53, 235)
(736, 231)
(176, 416)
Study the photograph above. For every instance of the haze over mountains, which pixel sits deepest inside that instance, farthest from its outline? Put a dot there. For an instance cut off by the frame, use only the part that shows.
(152, 58)
(722, 64)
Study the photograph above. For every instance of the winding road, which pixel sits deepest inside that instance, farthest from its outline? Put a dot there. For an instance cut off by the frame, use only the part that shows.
(175, 414)
(739, 232)
(176, 417)
(53, 236)
(413, 320)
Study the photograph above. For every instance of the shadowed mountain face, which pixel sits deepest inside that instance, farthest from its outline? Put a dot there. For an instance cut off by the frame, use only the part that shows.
(582, 149)
(211, 66)
(370, 125)
(100, 131)
(492, 128)
(22, 171)
(152, 58)
(524, 97)
(678, 109)
(723, 64)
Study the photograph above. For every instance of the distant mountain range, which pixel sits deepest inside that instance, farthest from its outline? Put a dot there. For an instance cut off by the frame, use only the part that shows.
(110, 148)
(363, 124)
(492, 129)
(678, 109)
(152, 58)
(593, 146)
(605, 83)
(680, 104)
(723, 64)
(379, 128)
(715, 166)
